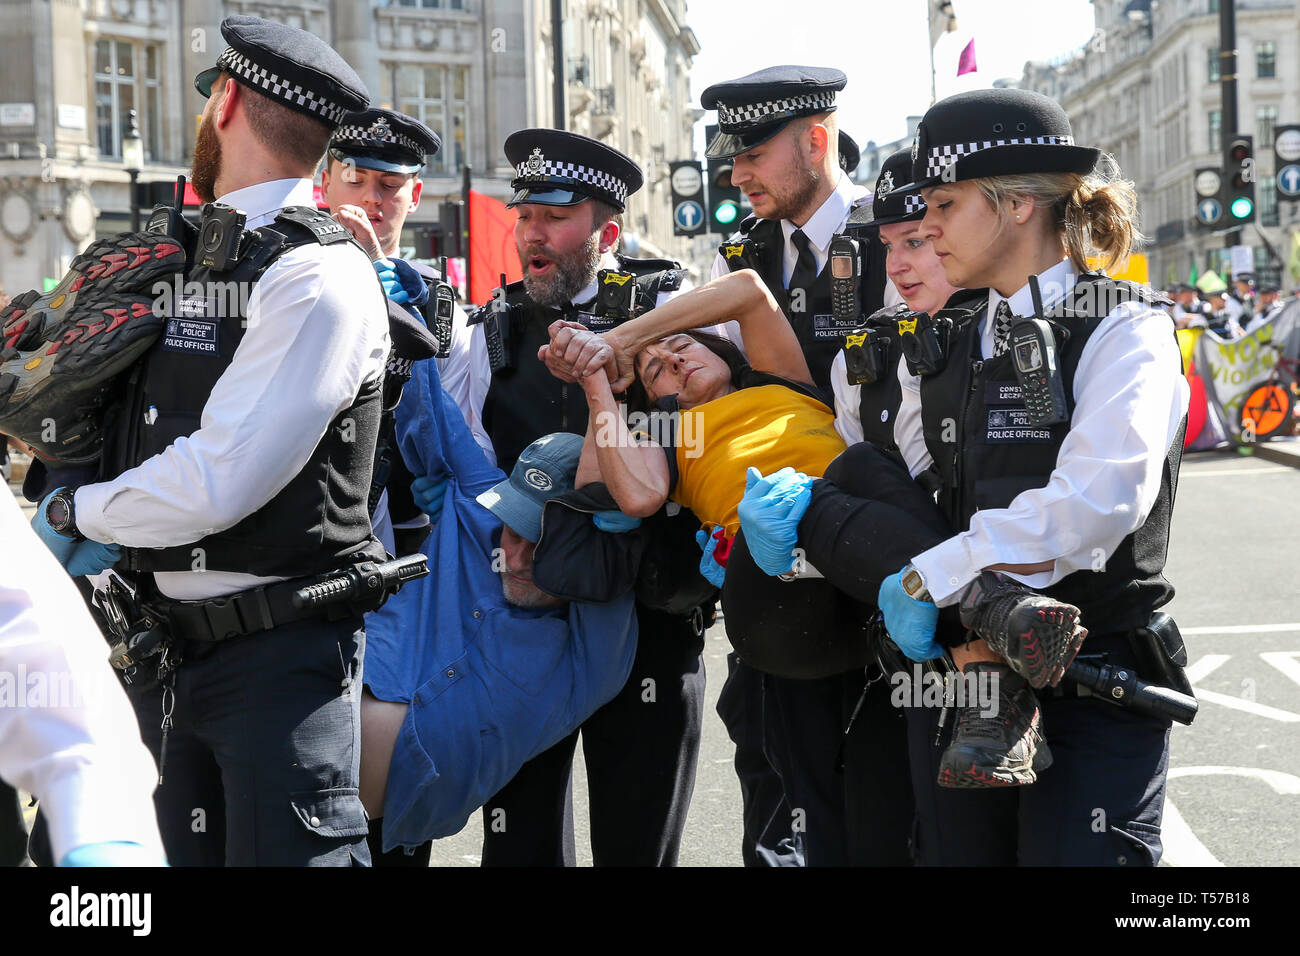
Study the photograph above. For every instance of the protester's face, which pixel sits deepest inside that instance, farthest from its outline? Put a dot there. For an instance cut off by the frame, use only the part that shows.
(559, 250)
(517, 575)
(207, 147)
(964, 231)
(679, 365)
(778, 177)
(386, 198)
(913, 267)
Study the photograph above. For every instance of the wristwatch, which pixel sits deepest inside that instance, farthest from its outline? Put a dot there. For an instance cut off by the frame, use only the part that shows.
(910, 578)
(60, 515)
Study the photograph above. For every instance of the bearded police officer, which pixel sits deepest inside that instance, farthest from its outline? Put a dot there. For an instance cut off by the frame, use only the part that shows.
(778, 127)
(641, 748)
(371, 182)
(238, 470)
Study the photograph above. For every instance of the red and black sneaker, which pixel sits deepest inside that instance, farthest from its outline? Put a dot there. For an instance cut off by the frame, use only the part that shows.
(128, 263)
(998, 738)
(1035, 634)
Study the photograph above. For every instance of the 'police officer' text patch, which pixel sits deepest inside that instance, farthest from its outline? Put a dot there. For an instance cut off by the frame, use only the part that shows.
(191, 332)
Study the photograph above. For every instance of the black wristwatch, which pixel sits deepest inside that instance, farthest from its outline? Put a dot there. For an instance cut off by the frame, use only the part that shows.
(60, 515)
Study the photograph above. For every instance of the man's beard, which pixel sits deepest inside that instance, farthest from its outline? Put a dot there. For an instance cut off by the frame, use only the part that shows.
(572, 273)
(207, 163)
(800, 202)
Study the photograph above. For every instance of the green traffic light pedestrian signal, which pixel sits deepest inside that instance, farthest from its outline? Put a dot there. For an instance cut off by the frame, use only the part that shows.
(1242, 208)
(1239, 180)
(726, 212)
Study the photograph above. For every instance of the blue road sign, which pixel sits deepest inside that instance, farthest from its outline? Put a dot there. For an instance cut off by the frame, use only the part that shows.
(1208, 211)
(688, 214)
(1288, 180)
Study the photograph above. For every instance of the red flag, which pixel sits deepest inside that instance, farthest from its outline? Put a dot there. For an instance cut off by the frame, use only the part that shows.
(966, 62)
(492, 246)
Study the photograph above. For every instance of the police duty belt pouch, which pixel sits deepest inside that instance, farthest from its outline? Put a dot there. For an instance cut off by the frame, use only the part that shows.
(64, 352)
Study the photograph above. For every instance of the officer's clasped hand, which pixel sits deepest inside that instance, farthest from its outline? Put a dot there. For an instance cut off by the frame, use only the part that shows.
(401, 283)
(615, 522)
(429, 494)
(770, 514)
(59, 546)
(911, 623)
(92, 557)
(713, 572)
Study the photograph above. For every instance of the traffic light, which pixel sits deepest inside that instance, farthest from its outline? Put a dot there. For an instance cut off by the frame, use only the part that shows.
(1209, 197)
(687, 182)
(724, 198)
(1239, 181)
(1286, 161)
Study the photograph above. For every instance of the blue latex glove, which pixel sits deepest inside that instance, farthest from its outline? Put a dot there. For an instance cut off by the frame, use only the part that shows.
(92, 557)
(59, 546)
(402, 284)
(615, 521)
(713, 572)
(387, 271)
(910, 622)
(112, 854)
(769, 515)
(429, 494)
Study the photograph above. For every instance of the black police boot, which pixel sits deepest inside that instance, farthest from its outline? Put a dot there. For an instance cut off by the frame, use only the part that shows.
(1002, 749)
(1035, 634)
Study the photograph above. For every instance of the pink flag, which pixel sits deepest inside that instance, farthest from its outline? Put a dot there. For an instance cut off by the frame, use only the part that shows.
(966, 63)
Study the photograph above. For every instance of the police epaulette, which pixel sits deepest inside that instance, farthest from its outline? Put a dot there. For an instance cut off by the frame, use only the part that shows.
(747, 224)
(320, 224)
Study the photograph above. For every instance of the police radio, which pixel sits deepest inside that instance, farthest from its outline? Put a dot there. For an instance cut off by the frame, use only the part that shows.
(741, 254)
(221, 231)
(846, 272)
(444, 305)
(923, 341)
(866, 355)
(170, 220)
(1033, 352)
(496, 329)
(615, 294)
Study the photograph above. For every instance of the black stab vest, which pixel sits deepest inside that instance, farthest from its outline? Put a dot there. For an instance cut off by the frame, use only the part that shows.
(819, 335)
(319, 521)
(526, 401)
(985, 453)
(878, 401)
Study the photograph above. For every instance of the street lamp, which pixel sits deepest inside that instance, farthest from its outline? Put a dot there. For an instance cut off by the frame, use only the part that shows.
(133, 160)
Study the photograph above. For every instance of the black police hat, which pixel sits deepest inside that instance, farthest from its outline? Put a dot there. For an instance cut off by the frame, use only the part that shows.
(995, 133)
(290, 66)
(892, 202)
(558, 168)
(850, 155)
(752, 109)
(385, 140)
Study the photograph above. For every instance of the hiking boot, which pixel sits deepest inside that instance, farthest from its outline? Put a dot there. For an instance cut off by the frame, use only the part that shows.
(1005, 749)
(1037, 635)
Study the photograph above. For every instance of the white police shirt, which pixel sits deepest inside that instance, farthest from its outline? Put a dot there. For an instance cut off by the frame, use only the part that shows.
(1130, 398)
(67, 732)
(822, 226)
(470, 372)
(317, 330)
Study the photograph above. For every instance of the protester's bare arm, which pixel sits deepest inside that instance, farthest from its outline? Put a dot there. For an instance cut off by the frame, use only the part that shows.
(634, 470)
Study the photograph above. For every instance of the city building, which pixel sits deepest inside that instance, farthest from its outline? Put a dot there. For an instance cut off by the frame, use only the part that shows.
(1146, 89)
(473, 70)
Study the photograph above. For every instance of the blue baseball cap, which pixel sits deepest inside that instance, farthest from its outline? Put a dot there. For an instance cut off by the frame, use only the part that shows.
(546, 469)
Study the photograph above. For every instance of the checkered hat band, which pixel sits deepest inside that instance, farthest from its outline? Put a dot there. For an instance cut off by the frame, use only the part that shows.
(279, 88)
(733, 118)
(941, 157)
(362, 136)
(913, 202)
(574, 171)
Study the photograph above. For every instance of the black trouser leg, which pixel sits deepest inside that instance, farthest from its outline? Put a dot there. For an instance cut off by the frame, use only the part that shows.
(879, 807)
(13, 833)
(398, 856)
(530, 820)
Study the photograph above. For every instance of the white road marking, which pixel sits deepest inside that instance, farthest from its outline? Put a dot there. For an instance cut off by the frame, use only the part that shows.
(1201, 669)
(1235, 472)
(1249, 706)
(1243, 629)
(1285, 661)
(1181, 847)
(1283, 784)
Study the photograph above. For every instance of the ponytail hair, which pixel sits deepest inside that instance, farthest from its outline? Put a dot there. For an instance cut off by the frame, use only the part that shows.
(1094, 215)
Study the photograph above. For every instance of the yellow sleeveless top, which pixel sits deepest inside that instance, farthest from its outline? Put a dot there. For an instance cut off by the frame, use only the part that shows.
(767, 427)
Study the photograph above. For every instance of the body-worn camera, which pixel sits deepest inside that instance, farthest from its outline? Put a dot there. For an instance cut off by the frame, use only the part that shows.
(924, 341)
(845, 260)
(615, 294)
(221, 233)
(741, 254)
(866, 356)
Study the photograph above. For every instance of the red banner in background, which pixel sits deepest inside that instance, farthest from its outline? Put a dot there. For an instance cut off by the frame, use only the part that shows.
(492, 246)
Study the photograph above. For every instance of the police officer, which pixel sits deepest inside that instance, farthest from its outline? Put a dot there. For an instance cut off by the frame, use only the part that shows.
(1077, 502)
(778, 127)
(239, 469)
(371, 182)
(641, 748)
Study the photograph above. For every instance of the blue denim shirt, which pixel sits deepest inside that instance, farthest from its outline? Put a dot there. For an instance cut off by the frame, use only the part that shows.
(490, 685)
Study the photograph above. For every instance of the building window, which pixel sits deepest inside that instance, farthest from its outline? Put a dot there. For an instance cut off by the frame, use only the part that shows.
(437, 96)
(1266, 60)
(1266, 195)
(1214, 6)
(126, 78)
(1216, 131)
(1212, 63)
(1265, 122)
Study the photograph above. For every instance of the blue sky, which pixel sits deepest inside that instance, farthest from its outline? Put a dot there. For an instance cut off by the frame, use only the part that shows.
(881, 46)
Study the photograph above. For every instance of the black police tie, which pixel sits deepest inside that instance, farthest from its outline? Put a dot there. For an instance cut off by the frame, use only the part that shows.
(805, 267)
(1002, 319)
